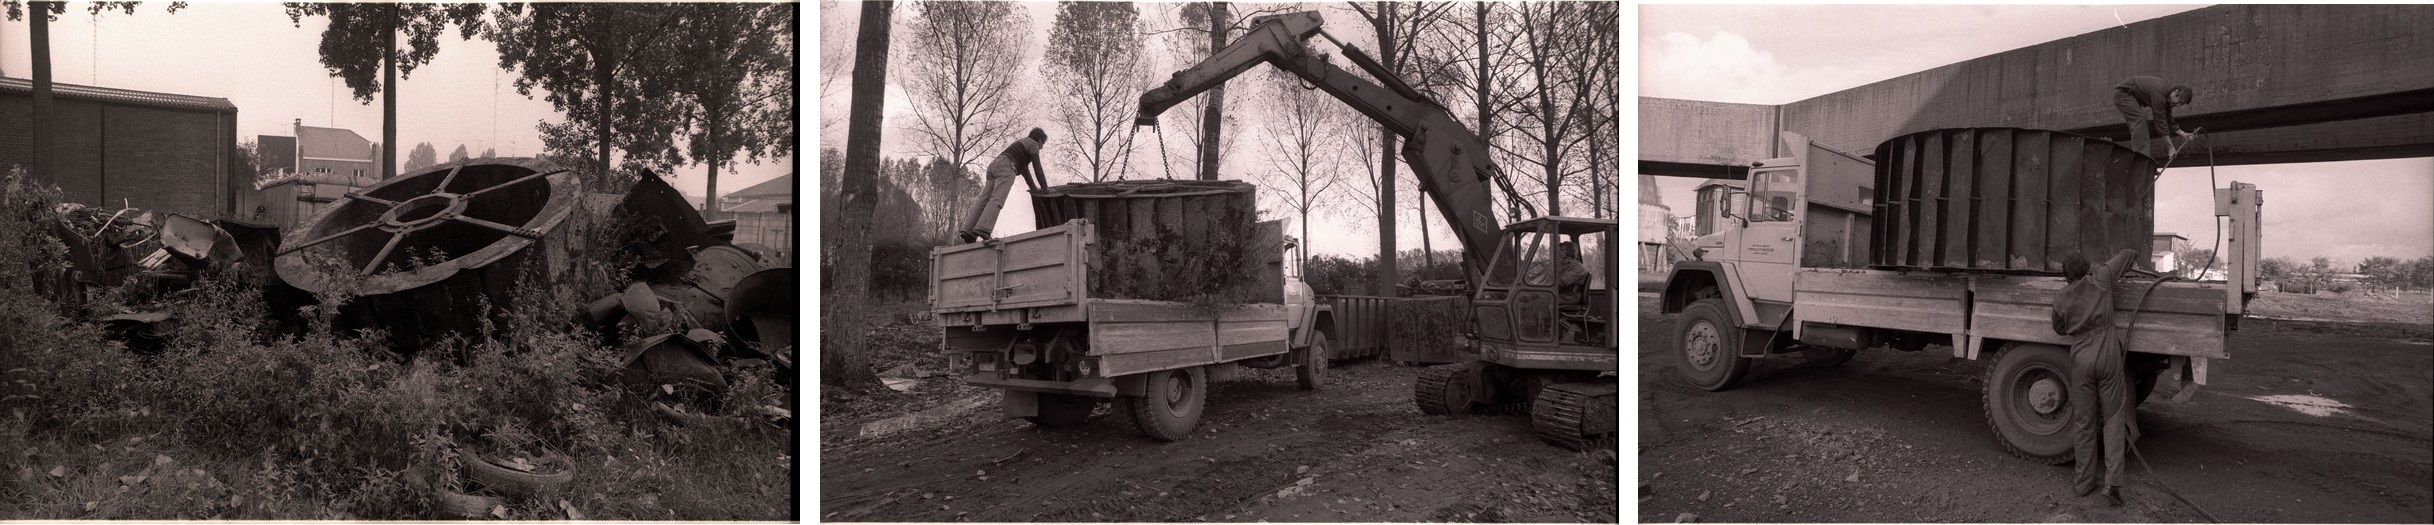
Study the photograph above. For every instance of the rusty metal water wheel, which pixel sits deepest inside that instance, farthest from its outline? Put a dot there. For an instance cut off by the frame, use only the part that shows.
(429, 249)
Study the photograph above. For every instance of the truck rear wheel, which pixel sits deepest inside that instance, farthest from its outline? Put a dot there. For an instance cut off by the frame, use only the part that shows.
(2028, 402)
(1707, 347)
(1170, 404)
(1063, 410)
(1313, 361)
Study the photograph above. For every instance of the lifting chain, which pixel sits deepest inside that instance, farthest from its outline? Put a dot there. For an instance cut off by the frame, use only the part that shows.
(1163, 159)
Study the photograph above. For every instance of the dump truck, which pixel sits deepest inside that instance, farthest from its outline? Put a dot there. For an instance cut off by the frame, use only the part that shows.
(1951, 238)
(1071, 315)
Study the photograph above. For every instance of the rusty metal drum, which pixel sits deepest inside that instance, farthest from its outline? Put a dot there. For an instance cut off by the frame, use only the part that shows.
(2008, 200)
(425, 251)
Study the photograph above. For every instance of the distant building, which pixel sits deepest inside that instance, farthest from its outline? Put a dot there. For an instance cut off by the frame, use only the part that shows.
(763, 214)
(2166, 252)
(116, 147)
(303, 174)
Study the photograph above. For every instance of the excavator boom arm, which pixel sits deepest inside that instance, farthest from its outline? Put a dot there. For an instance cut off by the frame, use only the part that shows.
(1451, 161)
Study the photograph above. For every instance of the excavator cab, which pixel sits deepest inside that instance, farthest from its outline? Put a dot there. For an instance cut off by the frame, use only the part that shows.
(1548, 299)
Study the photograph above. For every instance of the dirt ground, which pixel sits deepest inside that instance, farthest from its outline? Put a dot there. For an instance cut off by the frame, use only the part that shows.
(1264, 451)
(1897, 436)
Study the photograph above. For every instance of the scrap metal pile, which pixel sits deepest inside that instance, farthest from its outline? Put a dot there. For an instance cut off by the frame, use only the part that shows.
(427, 256)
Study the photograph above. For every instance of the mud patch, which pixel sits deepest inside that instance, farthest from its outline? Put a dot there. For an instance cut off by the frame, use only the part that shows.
(923, 418)
(2310, 405)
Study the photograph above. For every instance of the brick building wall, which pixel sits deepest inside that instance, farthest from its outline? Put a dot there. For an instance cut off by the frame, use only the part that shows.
(114, 153)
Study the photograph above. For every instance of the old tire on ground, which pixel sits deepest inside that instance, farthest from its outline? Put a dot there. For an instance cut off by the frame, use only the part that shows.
(1171, 403)
(1063, 410)
(2028, 402)
(482, 468)
(1575, 416)
(1313, 362)
(1447, 389)
(1707, 347)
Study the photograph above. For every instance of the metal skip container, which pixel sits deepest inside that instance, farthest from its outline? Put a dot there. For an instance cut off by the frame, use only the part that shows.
(2009, 200)
(424, 251)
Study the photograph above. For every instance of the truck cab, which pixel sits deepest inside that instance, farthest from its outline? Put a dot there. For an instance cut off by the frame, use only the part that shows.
(1807, 210)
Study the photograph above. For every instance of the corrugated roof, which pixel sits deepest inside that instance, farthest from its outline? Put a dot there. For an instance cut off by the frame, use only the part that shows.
(781, 187)
(332, 143)
(121, 96)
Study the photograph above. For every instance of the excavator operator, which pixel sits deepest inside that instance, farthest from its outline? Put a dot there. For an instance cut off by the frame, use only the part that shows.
(2099, 387)
(1571, 280)
(1021, 159)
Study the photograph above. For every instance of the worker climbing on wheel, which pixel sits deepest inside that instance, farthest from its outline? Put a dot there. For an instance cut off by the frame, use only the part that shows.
(2099, 399)
(1021, 159)
(2146, 104)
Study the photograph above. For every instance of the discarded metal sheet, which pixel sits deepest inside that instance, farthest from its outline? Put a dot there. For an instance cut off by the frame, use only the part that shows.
(666, 228)
(428, 249)
(680, 365)
(2008, 200)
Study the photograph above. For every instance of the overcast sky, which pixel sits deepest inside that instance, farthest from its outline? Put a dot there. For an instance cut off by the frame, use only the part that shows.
(250, 54)
(1777, 54)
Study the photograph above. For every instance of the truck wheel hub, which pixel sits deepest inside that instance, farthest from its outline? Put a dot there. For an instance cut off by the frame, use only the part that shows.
(1701, 345)
(1175, 385)
(2045, 395)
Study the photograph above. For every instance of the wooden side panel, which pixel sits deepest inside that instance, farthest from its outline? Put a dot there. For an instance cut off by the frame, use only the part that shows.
(2064, 190)
(1882, 299)
(2180, 319)
(1992, 248)
(1931, 194)
(1960, 193)
(2030, 159)
(1142, 336)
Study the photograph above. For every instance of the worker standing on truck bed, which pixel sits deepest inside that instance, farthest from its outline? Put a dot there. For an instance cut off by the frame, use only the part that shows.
(2147, 104)
(1020, 159)
(2099, 387)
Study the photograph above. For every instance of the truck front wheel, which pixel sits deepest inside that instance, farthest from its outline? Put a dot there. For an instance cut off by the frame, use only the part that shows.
(1313, 361)
(1170, 404)
(2028, 402)
(1707, 347)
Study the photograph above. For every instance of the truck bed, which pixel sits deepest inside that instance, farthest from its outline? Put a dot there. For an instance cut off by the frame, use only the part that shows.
(2181, 318)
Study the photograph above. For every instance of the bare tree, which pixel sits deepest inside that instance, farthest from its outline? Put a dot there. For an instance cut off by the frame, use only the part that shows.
(1552, 124)
(1306, 142)
(1395, 25)
(843, 360)
(961, 64)
(1094, 69)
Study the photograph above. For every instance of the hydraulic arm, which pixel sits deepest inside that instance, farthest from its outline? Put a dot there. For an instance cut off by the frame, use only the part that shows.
(1451, 161)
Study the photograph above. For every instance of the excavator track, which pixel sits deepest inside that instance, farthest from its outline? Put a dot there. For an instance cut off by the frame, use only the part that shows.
(1576, 416)
(1431, 391)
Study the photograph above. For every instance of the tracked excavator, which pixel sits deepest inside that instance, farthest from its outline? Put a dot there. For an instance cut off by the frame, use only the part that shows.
(1534, 343)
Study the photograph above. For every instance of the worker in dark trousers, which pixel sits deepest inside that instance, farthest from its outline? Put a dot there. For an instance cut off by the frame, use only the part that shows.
(2099, 386)
(2146, 103)
(1021, 159)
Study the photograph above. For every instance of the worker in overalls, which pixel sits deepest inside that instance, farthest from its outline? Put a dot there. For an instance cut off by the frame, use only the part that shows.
(2146, 104)
(2099, 384)
(1021, 159)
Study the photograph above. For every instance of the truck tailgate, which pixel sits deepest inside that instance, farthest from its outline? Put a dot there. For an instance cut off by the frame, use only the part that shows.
(1040, 268)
